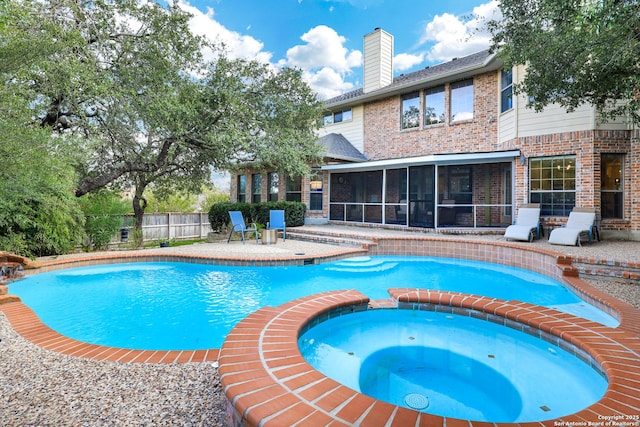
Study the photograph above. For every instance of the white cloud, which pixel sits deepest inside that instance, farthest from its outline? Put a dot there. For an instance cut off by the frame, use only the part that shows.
(328, 65)
(324, 48)
(325, 60)
(405, 61)
(455, 37)
(236, 44)
(327, 82)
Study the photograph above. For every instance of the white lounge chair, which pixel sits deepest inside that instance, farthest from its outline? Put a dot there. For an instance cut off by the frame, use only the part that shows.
(527, 223)
(579, 222)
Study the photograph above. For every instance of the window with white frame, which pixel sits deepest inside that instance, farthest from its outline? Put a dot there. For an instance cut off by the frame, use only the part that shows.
(552, 183)
(462, 100)
(337, 117)
(506, 90)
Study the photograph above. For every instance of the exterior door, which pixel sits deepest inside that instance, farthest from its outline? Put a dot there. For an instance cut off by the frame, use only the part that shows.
(421, 195)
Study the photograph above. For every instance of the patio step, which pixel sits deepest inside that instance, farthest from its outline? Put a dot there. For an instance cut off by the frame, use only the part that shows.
(612, 269)
(364, 237)
(331, 239)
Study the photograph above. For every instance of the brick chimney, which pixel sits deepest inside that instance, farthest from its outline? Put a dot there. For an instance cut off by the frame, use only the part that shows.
(378, 60)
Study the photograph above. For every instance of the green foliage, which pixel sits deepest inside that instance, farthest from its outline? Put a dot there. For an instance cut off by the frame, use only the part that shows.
(114, 83)
(576, 52)
(211, 196)
(104, 211)
(176, 202)
(38, 213)
(294, 213)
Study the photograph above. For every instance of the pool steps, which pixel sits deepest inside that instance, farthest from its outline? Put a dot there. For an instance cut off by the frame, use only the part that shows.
(362, 265)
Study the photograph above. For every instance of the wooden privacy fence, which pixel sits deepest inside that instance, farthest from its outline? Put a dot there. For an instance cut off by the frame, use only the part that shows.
(167, 226)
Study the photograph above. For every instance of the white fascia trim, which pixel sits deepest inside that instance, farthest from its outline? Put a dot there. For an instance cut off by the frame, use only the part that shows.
(432, 159)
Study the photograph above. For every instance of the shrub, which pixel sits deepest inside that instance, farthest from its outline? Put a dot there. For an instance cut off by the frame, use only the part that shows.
(256, 212)
(104, 211)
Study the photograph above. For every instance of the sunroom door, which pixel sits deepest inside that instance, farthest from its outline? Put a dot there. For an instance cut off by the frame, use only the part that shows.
(421, 195)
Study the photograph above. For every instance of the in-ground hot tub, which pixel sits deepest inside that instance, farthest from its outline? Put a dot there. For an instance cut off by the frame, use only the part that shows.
(451, 365)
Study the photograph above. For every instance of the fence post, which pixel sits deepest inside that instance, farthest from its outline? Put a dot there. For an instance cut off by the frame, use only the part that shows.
(169, 225)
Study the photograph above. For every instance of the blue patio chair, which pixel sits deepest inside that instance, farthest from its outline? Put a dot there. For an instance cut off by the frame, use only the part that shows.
(238, 226)
(276, 222)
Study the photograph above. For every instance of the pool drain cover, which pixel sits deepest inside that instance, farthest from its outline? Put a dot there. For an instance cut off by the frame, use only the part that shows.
(416, 401)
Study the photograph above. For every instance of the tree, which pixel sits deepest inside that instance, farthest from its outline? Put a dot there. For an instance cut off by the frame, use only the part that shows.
(210, 196)
(174, 202)
(128, 77)
(576, 52)
(38, 213)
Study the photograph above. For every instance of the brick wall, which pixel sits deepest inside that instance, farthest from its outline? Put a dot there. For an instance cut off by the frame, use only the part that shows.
(384, 139)
(587, 146)
(282, 190)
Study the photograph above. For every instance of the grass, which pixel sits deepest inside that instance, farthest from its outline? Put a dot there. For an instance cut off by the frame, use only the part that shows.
(173, 242)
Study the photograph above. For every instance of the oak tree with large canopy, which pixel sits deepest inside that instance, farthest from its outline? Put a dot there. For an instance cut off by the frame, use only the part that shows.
(123, 83)
(575, 51)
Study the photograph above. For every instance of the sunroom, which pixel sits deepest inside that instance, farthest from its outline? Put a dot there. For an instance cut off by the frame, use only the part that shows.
(473, 190)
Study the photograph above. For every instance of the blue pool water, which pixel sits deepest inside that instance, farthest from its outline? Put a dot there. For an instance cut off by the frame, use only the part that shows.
(452, 365)
(180, 306)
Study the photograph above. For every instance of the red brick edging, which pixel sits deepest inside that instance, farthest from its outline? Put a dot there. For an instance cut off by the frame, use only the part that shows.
(28, 324)
(268, 383)
(277, 365)
(546, 262)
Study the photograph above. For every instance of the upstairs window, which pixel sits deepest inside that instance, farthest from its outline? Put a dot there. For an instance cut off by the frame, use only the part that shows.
(337, 117)
(434, 106)
(506, 90)
(462, 100)
(410, 111)
(342, 116)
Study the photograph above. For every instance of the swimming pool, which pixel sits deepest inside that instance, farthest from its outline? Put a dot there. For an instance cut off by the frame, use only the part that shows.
(451, 365)
(163, 306)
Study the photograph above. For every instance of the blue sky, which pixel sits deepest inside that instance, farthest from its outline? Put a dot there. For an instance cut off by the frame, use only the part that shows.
(325, 37)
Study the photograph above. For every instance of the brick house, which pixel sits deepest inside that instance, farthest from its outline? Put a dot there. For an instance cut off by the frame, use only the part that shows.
(450, 147)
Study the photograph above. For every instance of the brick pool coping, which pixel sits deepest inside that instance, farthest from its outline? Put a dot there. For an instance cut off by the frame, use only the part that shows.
(268, 383)
(552, 264)
(243, 360)
(26, 323)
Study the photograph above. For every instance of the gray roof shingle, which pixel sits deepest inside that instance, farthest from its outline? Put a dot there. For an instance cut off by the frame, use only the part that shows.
(338, 147)
(426, 74)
